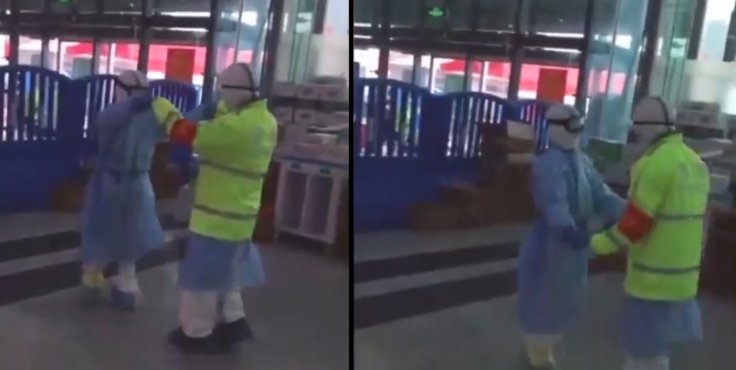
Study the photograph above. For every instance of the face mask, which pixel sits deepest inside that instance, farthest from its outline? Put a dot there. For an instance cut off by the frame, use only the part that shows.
(236, 98)
(562, 138)
(646, 135)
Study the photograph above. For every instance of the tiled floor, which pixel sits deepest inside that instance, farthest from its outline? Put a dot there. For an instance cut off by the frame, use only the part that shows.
(458, 310)
(300, 318)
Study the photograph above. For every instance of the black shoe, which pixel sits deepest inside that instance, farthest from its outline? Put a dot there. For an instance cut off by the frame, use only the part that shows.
(205, 346)
(233, 333)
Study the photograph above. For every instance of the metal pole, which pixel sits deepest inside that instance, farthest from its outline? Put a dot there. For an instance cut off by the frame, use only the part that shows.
(651, 27)
(144, 37)
(581, 92)
(14, 35)
(517, 48)
(271, 45)
(210, 62)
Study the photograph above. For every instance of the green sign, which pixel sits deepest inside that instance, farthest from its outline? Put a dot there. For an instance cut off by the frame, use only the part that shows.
(436, 12)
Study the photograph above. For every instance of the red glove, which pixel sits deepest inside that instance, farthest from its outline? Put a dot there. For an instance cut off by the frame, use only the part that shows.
(183, 132)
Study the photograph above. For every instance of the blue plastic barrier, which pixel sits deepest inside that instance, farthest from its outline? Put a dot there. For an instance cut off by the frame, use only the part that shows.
(532, 111)
(408, 143)
(47, 127)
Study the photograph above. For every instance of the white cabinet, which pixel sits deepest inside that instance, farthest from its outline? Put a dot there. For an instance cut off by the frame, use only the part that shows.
(308, 198)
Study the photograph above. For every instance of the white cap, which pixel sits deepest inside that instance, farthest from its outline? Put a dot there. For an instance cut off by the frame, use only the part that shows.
(652, 110)
(236, 85)
(130, 83)
(133, 79)
(564, 115)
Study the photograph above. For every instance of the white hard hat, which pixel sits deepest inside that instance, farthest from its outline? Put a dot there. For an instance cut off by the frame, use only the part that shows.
(652, 111)
(566, 116)
(133, 80)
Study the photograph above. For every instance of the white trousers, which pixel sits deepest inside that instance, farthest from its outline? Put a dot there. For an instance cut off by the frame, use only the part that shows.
(654, 363)
(199, 312)
(126, 280)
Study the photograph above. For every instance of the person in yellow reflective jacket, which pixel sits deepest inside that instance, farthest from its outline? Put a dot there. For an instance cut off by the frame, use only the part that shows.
(235, 142)
(119, 215)
(662, 232)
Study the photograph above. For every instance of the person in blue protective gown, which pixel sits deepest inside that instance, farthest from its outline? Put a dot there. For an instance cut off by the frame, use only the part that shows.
(570, 198)
(120, 222)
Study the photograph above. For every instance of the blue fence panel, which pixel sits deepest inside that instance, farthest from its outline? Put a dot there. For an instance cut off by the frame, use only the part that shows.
(93, 93)
(466, 115)
(387, 146)
(34, 153)
(408, 143)
(533, 111)
(30, 104)
(183, 96)
(389, 115)
(47, 127)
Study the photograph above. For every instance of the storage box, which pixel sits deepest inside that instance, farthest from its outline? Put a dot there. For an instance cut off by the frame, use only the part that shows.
(718, 275)
(434, 217)
(284, 89)
(68, 197)
(305, 116)
(164, 180)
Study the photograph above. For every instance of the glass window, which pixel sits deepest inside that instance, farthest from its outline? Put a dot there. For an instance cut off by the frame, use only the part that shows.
(491, 76)
(400, 66)
(124, 56)
(367, 60)
(31, 5)
(448, 74)
(125, 6)
(404, 13)
(554, 16)
(674, 31)
(200, 6)
(74, 58)
(715, 29)
(459, 14)
(303, 55)
(243, 40)
(107, 58)
(29, 51)
(159, 55)
(367, 12)
(83, 6)
(496, 15)
(424, 71)
(604, 18)
(613, 63)
(710, 79)
(539, 66)
(4, 50)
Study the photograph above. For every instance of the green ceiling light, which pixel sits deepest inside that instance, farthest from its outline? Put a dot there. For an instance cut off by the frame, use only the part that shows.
(436, 12)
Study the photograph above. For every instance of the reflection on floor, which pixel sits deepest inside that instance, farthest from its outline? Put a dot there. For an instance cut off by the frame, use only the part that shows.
(300, 318)
(446, 301)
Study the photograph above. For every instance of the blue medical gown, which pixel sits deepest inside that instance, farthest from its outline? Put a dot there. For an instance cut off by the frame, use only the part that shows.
(648, 328)
(120, 222)
(213, 265)
(567, 191)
